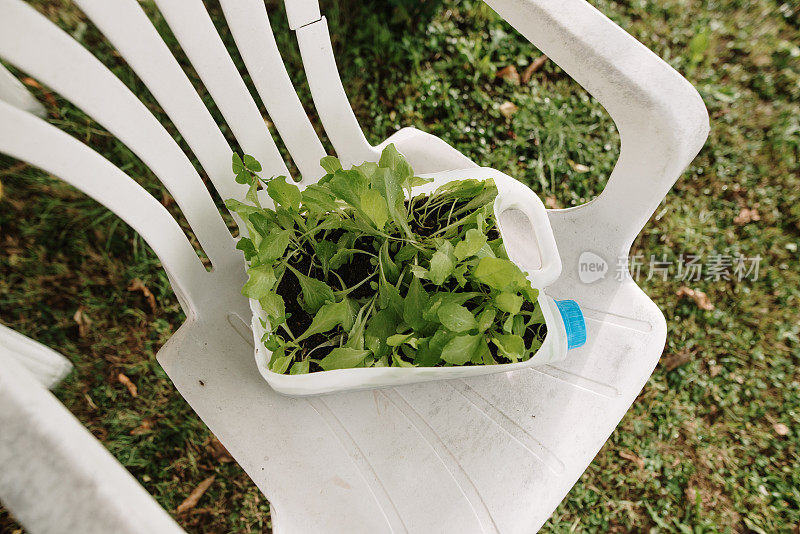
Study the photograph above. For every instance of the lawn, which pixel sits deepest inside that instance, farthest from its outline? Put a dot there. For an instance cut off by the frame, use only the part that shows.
(712, 444)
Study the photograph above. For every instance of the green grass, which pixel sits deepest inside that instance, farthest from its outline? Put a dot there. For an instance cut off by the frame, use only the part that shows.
(705, 453)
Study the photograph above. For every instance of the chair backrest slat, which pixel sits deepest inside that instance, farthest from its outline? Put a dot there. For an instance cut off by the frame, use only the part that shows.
(198, 37)
(35, 45)
(126, 26)
(13, 92)
(250, 26)
(334, 109)
(28, 138)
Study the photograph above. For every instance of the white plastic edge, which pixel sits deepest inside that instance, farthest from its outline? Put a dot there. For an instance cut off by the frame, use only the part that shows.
(13, 92)
(55, 476)
(45, 364)
(301, 12)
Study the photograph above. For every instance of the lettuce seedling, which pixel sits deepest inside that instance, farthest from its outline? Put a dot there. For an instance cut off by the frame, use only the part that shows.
(357, 271)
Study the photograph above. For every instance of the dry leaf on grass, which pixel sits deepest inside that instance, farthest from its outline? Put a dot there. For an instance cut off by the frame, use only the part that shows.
(578, 167)
(509, 74)
(535, 65)
(675, 360)
(48, 96)
(144, 428)
(746, 215)
(507, 109)
(137, 285)
(219, 452)
(633, 458)
(125, 381)
(83, 322)
(781, 429)
(194, 497)
(699, 298)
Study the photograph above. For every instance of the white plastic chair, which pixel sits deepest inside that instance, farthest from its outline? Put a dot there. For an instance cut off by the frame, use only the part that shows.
(54, 475)
(488, 454)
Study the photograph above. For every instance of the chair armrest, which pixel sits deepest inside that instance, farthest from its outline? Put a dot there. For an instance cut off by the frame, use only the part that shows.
(661, 118)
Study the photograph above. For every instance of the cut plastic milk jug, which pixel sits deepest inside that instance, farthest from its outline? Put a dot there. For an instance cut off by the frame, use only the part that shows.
(529, 242)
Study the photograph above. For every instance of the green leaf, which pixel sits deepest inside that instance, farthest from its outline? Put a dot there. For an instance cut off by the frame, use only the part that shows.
(246, 246)
(414, 304)
(273, 305)
(349, 186)
(440, 298)
(374, 206)
(405, 253)
(327, 318)
(355, 337)
(240, 208)
(536, 315)
(252, 193)
(366, 169)
(416, 181)
(531, 294)
(460, 349)
(400, 362)
(499, 274)
(284, 194)
(441, 264)
(318, 199)
(482, 354)
(273, 246)
(260, 223)
(331, 164)
(299, 368)
(245, 178)
(316, 293)
(388, 266)
(511, 346)
(509, 302)
(325, 250)
(252, 163)
(472, 243)
(429, 352)
(456, 318)
(398, 339)
(390, 188)
(343, 358)
(341, 257)
(349, 318)
(392, 159)
(236, 164)
(389, 296)
(380, 326)
(280, 361)
(261, 281)
(486, 319)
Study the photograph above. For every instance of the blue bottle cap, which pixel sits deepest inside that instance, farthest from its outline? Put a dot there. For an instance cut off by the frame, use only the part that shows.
(573, 322)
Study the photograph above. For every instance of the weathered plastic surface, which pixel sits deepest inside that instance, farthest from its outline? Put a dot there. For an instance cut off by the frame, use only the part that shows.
(54, 475)
(528, 238)
(45, 364)
(495, 453)
(13, 92)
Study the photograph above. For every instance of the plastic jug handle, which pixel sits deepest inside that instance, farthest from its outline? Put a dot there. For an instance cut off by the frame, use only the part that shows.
(514, 195)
